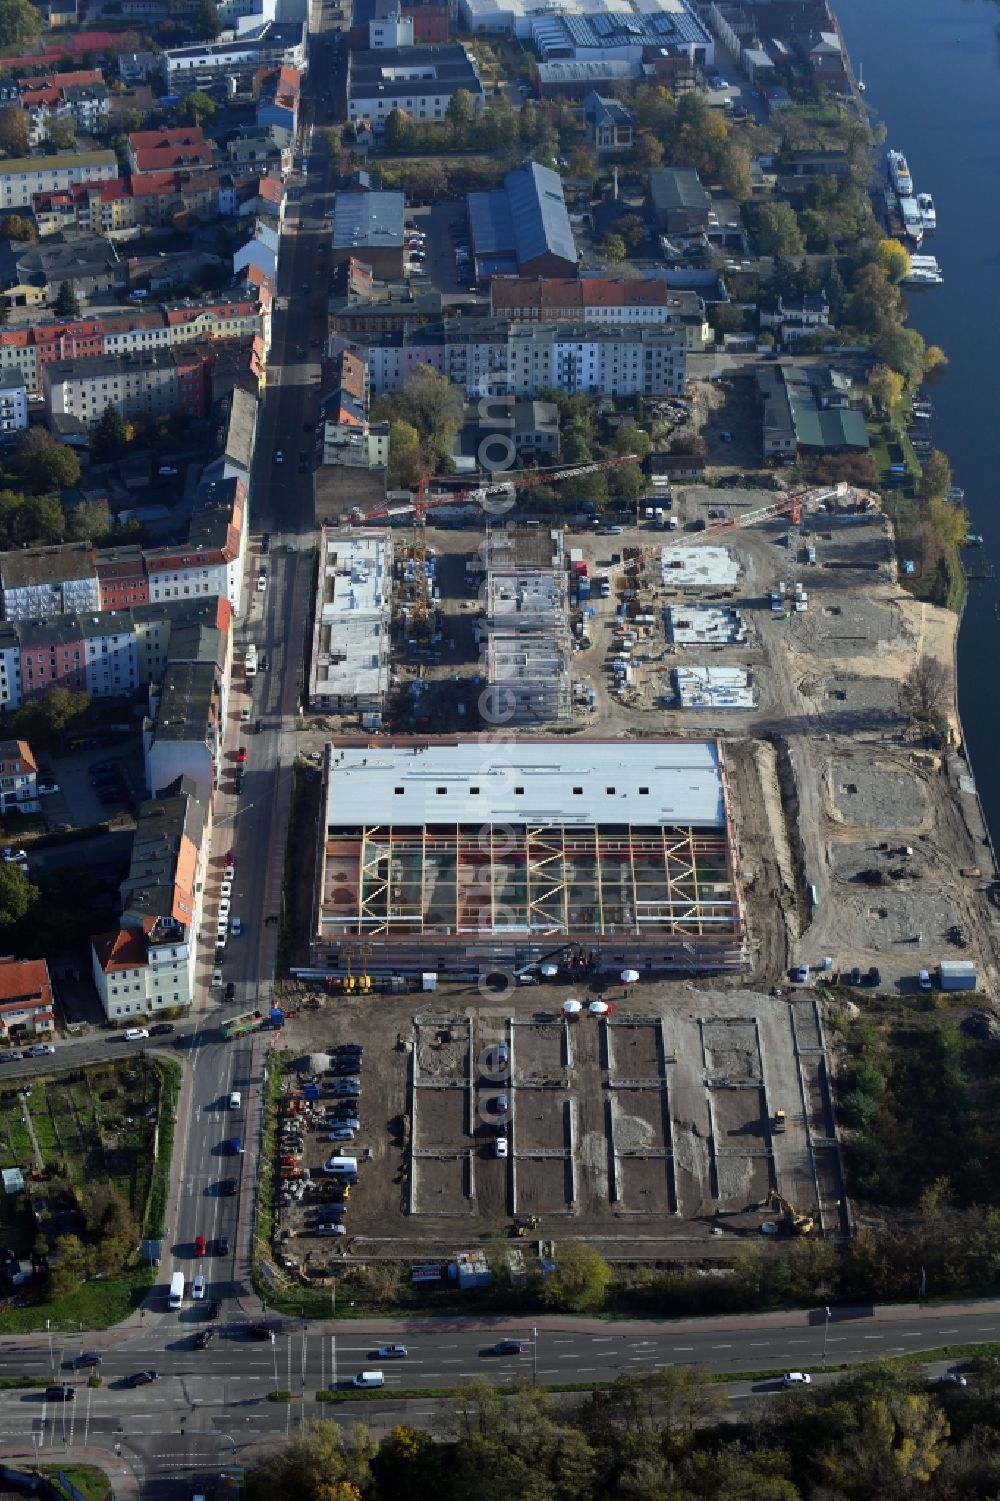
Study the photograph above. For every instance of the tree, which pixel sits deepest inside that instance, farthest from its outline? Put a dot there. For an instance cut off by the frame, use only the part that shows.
(196, 108)
(206, 21)
(632, 229)
(626, 483)
(60, 132)
(110, 435)
(632, 440)
(405, 458)
(14, 133)
(459, 111)
(71, 1264)
(926, 692)
(894, 259)
(398, 130)
(67, 304)
(17, 896)
(903, 350)
(583, 162)
(314, 1466)
(648, 152)
(734, 173)
(19, 22)
(885, 386)
(934, 357)
(776, 230)
(88, 521)
(46, 464)
(950, 522)
(875, 301)
(613, 248)
(579, 1281)
(935, 476)
(16, 227)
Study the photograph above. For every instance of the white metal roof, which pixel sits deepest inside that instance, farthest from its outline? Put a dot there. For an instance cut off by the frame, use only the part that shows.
(645, 784)
(714, 687)
(698, 567)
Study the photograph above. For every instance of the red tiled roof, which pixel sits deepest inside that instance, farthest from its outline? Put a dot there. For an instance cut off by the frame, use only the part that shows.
(164, 158)
(272, 189)
(20, 978)
(125, 949)
(178, 135)
(19, 762)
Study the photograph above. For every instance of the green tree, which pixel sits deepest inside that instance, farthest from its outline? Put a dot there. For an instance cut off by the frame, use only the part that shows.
(110, 434)
(398, 130)
(776, 230)
(20, 22)
(632, 440)
(648, 152)
(886, 386)
(16, 227)
(88, 521)
(17, 896)
(734, 173)
(206, 21)
(935, 476)
(875, 300)
(583, 162)
(459, 111)
(613, 248)
(46, 464)
(71, 1264)
(406, 460)
(196, 108)
(27, 519)
(312, 1465)
(626, 484)
(60, 133)
(14, 134)
(67, 304)
(580, 1280)
(903, 350)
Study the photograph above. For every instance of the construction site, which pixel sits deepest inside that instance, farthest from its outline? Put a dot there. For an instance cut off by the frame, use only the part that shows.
(526, 643)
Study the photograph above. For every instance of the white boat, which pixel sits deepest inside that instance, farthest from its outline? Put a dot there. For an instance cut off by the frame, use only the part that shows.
(861, 78)
(924, 272)
(913, 226)
(899, 174)
(928, 213)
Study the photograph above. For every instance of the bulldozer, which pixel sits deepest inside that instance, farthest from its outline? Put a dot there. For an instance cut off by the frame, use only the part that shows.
(794, 1222)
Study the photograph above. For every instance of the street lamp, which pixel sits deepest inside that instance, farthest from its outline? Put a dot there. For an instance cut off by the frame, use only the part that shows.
(48, 1331)
(826, 1330)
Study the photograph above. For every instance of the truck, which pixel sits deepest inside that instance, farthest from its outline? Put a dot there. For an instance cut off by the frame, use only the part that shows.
(177, 1290)
(956, 974)
(251, 663)
(239, 1026)
(661, 519)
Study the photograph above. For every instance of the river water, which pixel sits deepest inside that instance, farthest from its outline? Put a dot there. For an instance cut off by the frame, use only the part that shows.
(932, 74)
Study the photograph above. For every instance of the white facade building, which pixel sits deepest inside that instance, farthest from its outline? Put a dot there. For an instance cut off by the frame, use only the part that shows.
(13, 402)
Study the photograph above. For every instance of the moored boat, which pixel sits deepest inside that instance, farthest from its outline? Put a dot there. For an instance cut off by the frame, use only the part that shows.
(899, 174)
(928, 213)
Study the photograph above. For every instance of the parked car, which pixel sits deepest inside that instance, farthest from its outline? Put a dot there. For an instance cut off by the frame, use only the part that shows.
(796, 1378)
(39, 1050)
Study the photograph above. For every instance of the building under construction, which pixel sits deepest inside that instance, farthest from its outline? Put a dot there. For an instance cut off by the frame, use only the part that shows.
(459, 857)
(526, 643)
(349, 665)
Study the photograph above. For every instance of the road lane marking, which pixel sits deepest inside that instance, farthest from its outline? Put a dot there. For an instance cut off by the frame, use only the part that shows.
(874, 1336)
(722, 1347)
(683, 1347)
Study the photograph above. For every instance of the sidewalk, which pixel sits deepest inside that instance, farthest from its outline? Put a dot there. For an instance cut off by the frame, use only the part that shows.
(119, 1468)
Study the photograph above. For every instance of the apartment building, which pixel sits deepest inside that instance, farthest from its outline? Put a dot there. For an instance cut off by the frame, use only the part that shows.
(631, 302)
(211, 559)
(272, 44)
(46, 581)
(13, 404)
(18, 779)
(500, 359)
(27, 1004)
(167, 150)
(22, 177)
(420, 80)
(80, 96)
(147, 965)
(156, 381)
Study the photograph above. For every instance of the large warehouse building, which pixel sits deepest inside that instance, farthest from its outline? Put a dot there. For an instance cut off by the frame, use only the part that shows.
(459, 858)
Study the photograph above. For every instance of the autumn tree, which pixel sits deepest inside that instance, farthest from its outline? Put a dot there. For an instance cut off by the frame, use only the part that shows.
(580, 1280)
(903, 350)
(71, 1264)
(885, 386)
(613, 248)
(14, 135)
(894, 259)
(318, 1465)
(926, 692)
(17, 227)
(950, 522)
(60, 132)
(88, 521)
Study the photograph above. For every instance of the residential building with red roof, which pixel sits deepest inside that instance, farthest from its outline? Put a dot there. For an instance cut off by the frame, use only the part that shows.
(18, 778)
(27, 1004)
(628, 302)
(169, 150)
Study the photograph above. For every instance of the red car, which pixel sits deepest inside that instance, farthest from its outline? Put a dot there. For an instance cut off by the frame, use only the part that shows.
(241, 754)
(200, 1245)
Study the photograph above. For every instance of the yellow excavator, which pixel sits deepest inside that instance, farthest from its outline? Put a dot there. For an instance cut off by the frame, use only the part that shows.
(794, 1222)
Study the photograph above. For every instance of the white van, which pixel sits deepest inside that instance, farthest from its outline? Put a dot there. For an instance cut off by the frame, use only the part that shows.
(177, 1290)
(369, 1378)
(235, 1100)
(342, 1165)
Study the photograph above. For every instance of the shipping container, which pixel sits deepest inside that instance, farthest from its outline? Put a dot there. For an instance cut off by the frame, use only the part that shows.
(956, 974)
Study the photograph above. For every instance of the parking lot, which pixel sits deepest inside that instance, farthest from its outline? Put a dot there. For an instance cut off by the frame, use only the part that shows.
(651, 1125)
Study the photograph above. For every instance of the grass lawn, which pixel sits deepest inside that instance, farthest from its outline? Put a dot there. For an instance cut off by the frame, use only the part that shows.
(89, 1481)
(96, 1305)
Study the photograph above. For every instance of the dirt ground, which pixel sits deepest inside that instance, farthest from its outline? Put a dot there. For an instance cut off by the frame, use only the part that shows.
(649, 1129)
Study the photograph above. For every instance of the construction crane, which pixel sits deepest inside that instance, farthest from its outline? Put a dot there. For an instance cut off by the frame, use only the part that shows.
(513, 479)
(794, 1222)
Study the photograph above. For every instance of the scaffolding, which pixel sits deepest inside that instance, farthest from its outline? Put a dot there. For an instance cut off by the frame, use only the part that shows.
(526, 642)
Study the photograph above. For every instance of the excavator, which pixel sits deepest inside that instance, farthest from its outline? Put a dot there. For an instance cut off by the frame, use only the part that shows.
(794, 1222)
